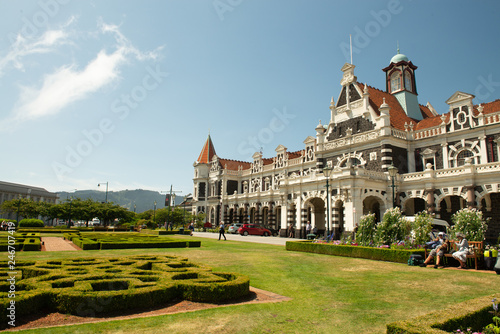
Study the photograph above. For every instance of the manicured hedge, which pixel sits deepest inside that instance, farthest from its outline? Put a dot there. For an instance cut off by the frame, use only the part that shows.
(31, 223)
(381, 254)
(88, 241)
(22, 242)
(474, 314)
(89, 287)
(32, 244)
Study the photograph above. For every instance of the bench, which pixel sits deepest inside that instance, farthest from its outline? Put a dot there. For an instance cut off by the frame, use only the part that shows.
(476, 251)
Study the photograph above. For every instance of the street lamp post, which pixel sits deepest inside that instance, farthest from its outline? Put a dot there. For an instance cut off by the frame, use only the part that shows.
(154, 214)
(69, 215)
(393, 171)
(327, 171)
(18, 208)
(99, 184)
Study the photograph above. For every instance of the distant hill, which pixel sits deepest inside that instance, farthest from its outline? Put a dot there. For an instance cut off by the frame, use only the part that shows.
(143, 199)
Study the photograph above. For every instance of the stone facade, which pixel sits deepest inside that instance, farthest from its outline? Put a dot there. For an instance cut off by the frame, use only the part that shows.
(445, 162)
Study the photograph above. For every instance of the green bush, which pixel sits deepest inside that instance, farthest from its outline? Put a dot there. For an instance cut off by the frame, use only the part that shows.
(474, 314)
(31, 223)
(381, 254)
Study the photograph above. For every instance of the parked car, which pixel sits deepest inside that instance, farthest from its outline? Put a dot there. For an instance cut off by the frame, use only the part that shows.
(253, 229)
(274, 232)
(234, 228)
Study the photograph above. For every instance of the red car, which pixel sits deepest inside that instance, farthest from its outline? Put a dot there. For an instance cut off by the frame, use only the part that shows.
(253, 229)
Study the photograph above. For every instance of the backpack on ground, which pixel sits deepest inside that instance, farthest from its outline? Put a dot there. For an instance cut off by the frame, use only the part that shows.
(415, 260)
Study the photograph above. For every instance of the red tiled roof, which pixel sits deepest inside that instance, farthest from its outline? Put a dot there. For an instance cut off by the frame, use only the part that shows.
(296, 154)
(207, 152)
(426, 112)
(234, 164)
(397, 114)
(490, 107)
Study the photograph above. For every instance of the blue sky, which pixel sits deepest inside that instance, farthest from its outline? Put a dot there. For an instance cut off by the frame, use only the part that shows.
(126, 92)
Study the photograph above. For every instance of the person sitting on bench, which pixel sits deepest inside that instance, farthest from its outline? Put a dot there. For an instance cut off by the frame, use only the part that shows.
(463, 250)
(439, 251)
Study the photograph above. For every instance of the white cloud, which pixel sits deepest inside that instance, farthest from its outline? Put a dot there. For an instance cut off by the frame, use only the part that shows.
(23, 47)
(68, 83)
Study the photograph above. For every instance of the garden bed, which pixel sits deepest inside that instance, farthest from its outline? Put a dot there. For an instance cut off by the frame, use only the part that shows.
(88, 287)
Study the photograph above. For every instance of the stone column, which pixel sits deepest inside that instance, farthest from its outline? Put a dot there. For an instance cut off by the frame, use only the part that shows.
(429, 201)
(245, 214)
(471, 197)
(335, 221)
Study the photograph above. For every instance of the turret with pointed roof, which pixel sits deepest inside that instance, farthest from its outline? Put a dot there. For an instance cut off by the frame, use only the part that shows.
(207, 152)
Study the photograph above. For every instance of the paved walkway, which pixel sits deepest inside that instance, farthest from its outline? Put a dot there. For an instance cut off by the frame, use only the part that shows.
(248, 238)
(52, 244)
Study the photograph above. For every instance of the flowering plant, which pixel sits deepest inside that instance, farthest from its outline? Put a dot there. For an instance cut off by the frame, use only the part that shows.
(469, 222)
(494, 327)
(393, 227)
(366, 229)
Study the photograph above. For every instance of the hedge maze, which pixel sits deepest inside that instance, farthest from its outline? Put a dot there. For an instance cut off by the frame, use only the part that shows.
(87, 241)
(21, 241)
(90, 287)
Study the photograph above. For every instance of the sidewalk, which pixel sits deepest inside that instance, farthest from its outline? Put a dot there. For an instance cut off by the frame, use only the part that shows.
(248, 238)
(53, 244)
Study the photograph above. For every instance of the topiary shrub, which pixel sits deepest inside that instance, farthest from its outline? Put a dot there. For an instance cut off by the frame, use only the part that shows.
(31, 223)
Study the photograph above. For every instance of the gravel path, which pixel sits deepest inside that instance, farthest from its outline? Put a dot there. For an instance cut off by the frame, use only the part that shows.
(53, 244)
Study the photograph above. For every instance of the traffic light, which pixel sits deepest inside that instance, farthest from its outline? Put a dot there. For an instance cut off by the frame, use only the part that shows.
(167, 200)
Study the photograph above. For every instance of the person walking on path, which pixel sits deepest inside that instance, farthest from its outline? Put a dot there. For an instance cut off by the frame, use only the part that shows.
(221, 231)
(308, 228)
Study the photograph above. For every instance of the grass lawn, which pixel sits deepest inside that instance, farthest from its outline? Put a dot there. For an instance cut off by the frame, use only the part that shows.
(330, 294)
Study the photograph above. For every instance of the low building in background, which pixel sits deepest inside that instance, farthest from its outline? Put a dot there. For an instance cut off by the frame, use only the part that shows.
(10, 191)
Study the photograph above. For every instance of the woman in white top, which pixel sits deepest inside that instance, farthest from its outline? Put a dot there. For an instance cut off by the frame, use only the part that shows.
(463, 250)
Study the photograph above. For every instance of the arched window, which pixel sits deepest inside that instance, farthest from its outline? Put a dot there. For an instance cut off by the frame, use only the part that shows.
(395, 81)
(463, 155)
(408, 81)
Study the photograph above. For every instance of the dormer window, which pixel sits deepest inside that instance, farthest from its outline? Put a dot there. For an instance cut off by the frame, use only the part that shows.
(395, 81)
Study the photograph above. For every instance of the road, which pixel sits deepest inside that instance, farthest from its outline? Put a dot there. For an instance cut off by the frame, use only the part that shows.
(248, 238)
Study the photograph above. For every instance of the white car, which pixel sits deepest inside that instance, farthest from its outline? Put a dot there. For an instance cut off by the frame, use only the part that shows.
(234, 228)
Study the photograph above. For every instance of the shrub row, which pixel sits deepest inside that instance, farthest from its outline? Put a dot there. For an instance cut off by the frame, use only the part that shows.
(474, 314)
(88, 286)
(372, 253)
(87, 241)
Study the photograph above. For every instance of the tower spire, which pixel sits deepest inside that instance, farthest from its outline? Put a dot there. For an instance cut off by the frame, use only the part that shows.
(208, 151)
